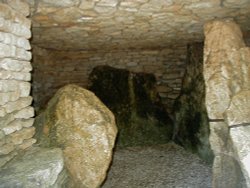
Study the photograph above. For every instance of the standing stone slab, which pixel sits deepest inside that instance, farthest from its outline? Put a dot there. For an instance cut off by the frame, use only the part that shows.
(85, 129)
(132, 97)
(39, 167)
(191, 125)
(227, 78)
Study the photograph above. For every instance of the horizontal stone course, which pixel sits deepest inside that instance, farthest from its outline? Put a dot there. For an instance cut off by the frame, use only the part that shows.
(16, 130)
(9, 51)
(10, 39)
(14, 28)
(54, 69)
(126, 24)
(15, 65)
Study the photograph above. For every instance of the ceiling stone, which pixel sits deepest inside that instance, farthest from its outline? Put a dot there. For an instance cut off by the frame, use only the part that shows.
(121, 24)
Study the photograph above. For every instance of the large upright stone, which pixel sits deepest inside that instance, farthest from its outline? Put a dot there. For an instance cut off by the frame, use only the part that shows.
(191, 120)
(85, 129)
(132, 97)
(227, 78)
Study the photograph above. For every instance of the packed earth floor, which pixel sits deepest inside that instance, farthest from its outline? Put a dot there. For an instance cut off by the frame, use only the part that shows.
(166, 166)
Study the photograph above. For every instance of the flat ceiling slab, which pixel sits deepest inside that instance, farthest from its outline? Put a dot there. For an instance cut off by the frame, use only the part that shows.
(123, 24)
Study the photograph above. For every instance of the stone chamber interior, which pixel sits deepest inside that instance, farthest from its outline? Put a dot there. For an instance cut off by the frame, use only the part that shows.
(181, 66)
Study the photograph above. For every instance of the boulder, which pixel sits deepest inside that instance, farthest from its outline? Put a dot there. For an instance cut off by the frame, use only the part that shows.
(140, 116)
(78, 122)
(38, 167)
(191, 120)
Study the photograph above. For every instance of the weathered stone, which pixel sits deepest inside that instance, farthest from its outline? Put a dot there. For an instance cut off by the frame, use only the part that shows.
(12, 127)
(17, 125)
(235, 3)
(85, 129)
(26, 144)
(14, 52)
(86, 4)
(63, 3)
(6, 120)
(15, 65)
(25, 113)
(226, 169)
(241, 143)
(10, 39)
(18, 105)
(15, 28)
(227, 81)
(132, 97)
(238, 111)
(6, 149)
(9, 97)
(19, 136)
(223, 38)
(15, 75)
(6, 158)
(191, 120)
(227, 166)
(160, 21)
(38, 167)
(20, 6)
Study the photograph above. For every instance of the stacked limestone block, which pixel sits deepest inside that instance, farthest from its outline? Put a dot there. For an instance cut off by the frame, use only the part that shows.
(227, 78)
(16, 114)
(54, 69)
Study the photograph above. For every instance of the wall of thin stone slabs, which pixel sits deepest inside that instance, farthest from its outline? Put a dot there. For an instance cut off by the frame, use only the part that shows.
(227, 79)
(16, 113)
(53, 69)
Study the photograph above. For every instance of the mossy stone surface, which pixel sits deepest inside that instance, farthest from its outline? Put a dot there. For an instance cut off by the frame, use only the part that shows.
(191, 120)
(140, 116)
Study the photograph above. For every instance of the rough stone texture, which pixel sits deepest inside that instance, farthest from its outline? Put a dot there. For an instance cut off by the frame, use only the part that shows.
(191, 121)
(16, 113)
(102, 24)
(54, 69)
(226, 168)
(39, 167)
(140, 116)
(241, 142)
(227, 78)
(238, 111)
(85, 129)
(219, 67)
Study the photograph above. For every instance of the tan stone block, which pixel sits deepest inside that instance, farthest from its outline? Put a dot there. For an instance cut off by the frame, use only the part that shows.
(10, 39)
(107, 3)
(20, 6)
(12, 127)
(25, 113)
(15, 28)
(15, 75)
(58, 4)
(27, 143)
(86, 4)
(4, 121)
(239, 111)
(223, 35)
(15, 65)
(18, 137)
(18, 105)
(6, 149)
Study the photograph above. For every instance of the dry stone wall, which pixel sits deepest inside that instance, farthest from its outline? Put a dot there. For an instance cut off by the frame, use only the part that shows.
(16, 114)
(54, 69)
(227, 79)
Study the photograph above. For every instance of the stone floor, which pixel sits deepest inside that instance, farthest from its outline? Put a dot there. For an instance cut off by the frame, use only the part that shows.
(164, 166)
